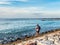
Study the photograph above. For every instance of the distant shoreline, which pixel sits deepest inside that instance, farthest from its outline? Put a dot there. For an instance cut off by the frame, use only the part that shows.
(17, 19)
(28, 18)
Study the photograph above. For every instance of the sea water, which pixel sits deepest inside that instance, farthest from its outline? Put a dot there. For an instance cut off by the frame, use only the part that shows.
(11, 29)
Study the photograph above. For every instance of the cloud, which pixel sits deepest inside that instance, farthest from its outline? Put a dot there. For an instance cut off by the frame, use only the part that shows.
(5, 2)
(27, 12)
(51, 9)
(8, 12)
(11, 1)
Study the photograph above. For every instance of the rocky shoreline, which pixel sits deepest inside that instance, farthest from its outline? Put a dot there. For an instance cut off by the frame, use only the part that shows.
(27, 38)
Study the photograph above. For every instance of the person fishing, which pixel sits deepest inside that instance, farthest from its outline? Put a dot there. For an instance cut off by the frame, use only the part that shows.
(37, 28)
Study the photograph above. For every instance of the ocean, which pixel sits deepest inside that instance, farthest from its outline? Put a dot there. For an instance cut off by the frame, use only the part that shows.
(11, 29)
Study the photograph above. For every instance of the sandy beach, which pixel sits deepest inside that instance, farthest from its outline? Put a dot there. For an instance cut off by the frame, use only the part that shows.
(47, 38)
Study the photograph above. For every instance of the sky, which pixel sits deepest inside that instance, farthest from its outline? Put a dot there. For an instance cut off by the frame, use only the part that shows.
(29, 8)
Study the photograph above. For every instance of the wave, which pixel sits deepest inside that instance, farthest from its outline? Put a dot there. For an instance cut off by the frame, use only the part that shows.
(19, 28)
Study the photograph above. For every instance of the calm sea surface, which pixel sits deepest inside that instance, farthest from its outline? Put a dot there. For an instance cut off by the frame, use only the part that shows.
(12, 29)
